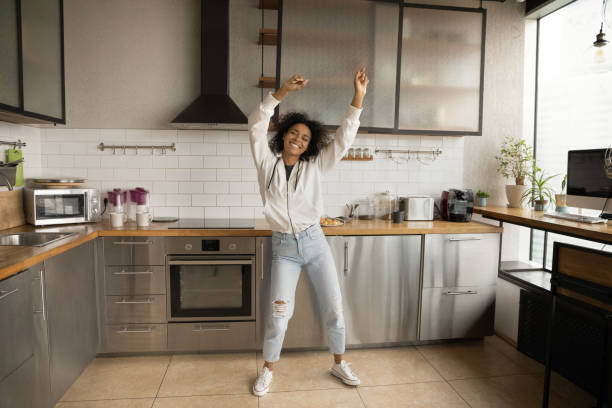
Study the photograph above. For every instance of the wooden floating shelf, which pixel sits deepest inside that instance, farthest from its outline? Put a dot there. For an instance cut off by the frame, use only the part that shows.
(268, 36)
(267, 82)
(268, 4)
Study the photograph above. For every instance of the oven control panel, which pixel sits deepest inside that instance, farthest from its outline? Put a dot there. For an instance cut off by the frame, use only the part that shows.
(210, 245)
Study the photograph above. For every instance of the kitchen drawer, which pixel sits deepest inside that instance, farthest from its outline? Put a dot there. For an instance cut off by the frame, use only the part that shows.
(134, 251)
(136, 309)
(16, 322)
(211, 336)
(135, 338)
(135, 280)
(16, 389)
(459, 312)
(460, 260)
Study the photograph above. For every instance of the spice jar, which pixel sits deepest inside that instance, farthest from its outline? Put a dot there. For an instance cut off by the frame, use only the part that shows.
(351, 154)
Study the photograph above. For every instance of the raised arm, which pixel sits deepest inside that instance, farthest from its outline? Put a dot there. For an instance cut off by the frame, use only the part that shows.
(345, 134)
(259, 119)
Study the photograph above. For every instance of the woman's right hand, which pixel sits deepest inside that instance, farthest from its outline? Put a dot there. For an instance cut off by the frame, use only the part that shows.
(295, 83)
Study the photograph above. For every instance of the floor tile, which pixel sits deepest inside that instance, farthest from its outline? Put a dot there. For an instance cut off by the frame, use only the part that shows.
(124, 403)
(420, 395)
(209, 374)
(570, 392)
(520, 391)
(469, 360)
(303, 370)
(344, 398)
(391, 366)
(212, 401)
(119, 377)
(526, 363)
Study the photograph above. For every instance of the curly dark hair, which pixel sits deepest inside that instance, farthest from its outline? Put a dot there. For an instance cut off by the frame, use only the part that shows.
(319, 137)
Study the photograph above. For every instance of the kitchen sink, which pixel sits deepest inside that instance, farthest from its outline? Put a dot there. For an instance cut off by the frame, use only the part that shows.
(33, 238)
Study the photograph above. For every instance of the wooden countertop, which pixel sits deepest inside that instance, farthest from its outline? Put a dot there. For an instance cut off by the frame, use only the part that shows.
(529, 218)
(14, 259)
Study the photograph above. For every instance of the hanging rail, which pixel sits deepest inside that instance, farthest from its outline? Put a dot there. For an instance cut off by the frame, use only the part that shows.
(434, 151)
(16, 144)
(114, 148)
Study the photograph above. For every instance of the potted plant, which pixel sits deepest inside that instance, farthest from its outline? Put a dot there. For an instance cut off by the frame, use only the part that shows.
(540, 193)
(481, 198)
(514, 161)
(561, 198)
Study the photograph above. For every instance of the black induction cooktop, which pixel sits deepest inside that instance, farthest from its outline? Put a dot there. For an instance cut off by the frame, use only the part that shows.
(213, 223)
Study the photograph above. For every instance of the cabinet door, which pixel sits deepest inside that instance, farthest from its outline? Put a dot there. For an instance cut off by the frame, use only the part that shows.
(71, 308)
(43, 59)
(41, 386)
(380, 288)
(326, 41)
(460, 260)
(16, 330)
(9, 54)
(442, 68)
(15, 390)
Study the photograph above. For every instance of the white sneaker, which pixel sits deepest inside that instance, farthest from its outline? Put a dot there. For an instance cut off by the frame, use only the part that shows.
(262, 383)
(343, 372)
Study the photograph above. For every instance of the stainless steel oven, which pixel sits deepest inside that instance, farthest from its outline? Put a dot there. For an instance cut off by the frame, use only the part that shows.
(210, 279)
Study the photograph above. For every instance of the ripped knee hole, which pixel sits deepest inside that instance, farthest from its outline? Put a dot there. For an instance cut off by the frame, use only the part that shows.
(279, 308)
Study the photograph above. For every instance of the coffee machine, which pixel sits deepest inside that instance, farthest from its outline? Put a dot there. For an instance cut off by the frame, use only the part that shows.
(457, 205)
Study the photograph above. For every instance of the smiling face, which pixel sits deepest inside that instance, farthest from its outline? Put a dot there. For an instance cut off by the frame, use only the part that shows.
(296, 140)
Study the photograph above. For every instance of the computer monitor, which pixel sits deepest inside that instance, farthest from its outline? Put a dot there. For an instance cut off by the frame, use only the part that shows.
(588, 185)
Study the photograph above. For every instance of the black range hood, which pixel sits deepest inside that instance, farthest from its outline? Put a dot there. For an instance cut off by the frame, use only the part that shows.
(213, 109)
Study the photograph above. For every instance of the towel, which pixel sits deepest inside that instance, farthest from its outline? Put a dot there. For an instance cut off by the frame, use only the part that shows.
(12, 155)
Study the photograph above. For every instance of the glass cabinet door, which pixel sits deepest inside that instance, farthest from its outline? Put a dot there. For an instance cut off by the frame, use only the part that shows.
(441, 69)
(42, 57)
(326, 41)
(9, 54)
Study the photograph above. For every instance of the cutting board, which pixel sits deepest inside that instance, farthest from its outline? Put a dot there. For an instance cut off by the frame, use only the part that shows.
(11, 209)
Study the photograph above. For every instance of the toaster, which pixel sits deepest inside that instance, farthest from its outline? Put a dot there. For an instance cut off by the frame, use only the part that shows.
(417, 208)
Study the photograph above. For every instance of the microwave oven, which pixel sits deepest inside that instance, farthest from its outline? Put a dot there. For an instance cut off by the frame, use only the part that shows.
(61, 206)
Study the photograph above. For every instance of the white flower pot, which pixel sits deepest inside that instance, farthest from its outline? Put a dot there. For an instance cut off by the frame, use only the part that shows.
(514, 194)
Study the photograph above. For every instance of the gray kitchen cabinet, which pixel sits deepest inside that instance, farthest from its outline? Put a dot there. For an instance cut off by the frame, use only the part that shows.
(71, 315)
(40, 384)
(459, 276)
(16, 345)
(133, 294)
(9, 63)
(380, 288)
(15, 389)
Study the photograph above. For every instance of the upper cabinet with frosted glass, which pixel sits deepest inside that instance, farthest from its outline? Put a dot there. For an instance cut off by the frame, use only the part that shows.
(425, 63)
(32, 63)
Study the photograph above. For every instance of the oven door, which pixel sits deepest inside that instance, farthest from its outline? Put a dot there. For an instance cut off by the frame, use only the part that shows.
(211, 288)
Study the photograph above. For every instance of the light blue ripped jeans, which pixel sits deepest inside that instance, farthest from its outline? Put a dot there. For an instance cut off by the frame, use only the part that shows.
(310, 249)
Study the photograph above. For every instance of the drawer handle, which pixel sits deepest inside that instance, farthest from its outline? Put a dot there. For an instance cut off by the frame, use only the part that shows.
(134, 302)
(5, 293)
(201, 328)
(126, 330)
(465, 239)
(261, 255)
(465, 292)
(133, 273)
(133, 243)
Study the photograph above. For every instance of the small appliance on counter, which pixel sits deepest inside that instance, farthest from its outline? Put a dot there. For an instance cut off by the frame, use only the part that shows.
(457, 205)
(60, 201)
(417, 207)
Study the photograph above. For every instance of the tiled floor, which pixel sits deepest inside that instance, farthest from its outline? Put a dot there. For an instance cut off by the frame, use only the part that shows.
(487, 373)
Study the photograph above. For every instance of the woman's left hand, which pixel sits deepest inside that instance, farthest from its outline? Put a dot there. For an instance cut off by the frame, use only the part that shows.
(361, 84)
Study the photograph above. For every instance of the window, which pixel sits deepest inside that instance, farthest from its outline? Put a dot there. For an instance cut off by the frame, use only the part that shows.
(574, 99)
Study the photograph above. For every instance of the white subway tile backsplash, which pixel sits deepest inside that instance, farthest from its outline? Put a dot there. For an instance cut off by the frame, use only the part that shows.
(178, 200)
(192, 187)
(190, 162)
(212, 172)
(216, 162)
(204, 200)
(229, 149)
(216, 187)
(203, 174)
(178, 174)
(229, 175)
(191, 212)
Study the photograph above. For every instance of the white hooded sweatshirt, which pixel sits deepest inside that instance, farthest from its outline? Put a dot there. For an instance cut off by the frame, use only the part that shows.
(291, 206)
